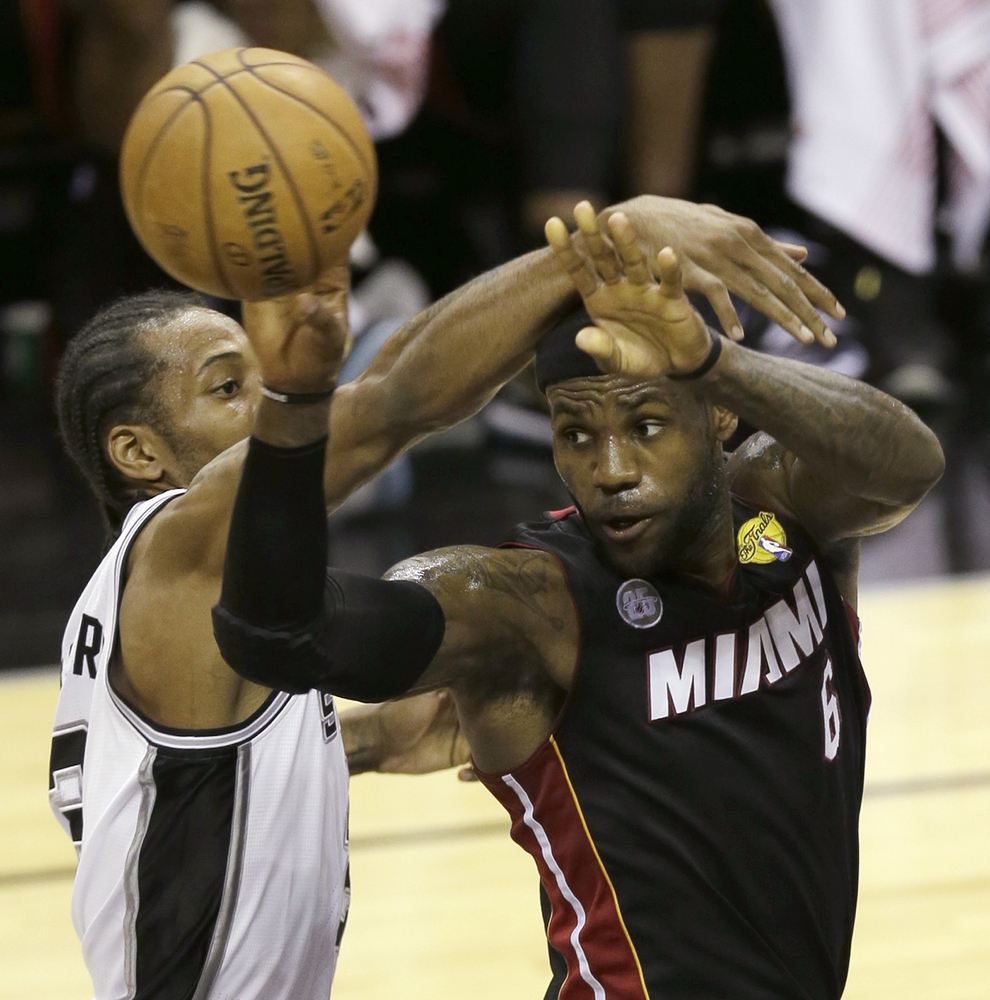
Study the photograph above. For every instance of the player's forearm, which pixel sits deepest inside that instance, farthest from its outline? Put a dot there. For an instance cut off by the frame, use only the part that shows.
(851, 435)
(362, 732)
(447, 362)
(284, 619)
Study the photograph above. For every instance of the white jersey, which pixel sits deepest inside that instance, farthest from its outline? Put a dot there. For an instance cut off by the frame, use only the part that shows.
(213, 863)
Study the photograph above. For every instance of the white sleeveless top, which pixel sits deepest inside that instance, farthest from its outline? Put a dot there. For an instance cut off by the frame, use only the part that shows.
(212, 863)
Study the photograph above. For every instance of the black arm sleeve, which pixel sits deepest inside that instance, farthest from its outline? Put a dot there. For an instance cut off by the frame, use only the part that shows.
(287, 621)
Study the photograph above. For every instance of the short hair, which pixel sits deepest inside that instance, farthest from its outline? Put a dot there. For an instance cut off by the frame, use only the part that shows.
(106, 376)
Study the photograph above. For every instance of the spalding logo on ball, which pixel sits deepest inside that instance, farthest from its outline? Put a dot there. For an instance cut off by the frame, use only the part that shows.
(247, 172)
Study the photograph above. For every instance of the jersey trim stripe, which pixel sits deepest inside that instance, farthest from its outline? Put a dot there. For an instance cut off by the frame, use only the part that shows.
(232, 883)
(544, 841)
(591, 844)
(207, 739)
(132, 895)
(584, 927)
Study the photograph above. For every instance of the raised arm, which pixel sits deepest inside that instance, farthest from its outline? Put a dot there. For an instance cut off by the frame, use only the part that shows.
(447, 362)
(841, 457)
(284, 620)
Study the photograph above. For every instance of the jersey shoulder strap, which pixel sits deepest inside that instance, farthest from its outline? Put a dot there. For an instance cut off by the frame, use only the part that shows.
(91, 631)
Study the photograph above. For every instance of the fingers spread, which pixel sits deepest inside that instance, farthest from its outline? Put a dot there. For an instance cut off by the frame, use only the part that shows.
(600, 346)
(792, 286)
(793, 250)
(635, 266)
(771, 304)
(786, 293)
(584, 278)
(671, 284)
(601, 250)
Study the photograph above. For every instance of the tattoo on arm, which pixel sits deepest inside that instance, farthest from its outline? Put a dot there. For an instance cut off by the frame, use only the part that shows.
(506, 612)
(519, 574)
(849, 457)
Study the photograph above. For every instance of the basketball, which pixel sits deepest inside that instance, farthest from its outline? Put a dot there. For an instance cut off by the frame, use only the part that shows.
(246, 172)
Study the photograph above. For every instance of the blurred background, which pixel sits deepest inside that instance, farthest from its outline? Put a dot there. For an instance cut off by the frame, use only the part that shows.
(862, 129)
(858, 127)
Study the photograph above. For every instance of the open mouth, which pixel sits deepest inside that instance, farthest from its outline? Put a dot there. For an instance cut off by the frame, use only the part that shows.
(624, 529)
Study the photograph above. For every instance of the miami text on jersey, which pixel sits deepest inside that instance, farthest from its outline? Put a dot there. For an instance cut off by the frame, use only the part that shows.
(781, 639)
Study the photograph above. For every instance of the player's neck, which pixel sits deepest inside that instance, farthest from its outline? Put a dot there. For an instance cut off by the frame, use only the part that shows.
(712, 559)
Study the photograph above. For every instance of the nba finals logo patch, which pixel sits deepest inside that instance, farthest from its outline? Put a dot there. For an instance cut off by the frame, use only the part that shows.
(762, 540)
(639, 604)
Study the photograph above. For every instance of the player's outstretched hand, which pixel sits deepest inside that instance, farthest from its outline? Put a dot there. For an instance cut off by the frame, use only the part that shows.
(301, 338)
(721, 253)
(642, 329)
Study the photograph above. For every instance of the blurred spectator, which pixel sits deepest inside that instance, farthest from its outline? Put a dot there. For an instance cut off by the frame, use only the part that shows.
(521, 120)
(378, 50)
(669, 46)
(871, 83)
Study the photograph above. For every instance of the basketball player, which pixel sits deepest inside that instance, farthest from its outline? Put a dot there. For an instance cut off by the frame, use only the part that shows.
(661, 684)
(209, 812)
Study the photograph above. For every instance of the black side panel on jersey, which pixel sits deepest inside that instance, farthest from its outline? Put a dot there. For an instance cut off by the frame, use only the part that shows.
(182, 869)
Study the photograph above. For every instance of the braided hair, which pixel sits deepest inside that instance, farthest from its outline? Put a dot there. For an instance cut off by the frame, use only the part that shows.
(107, 376)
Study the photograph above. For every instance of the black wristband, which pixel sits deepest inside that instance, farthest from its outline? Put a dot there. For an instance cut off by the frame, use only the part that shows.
(707, 365)
(298, 398)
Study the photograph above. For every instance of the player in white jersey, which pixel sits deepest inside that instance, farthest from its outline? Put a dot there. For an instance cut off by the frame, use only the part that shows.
(210, 810)
(246, 824)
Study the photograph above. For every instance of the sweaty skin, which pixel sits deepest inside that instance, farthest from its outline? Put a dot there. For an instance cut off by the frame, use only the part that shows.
(642, 458)
(437, 369)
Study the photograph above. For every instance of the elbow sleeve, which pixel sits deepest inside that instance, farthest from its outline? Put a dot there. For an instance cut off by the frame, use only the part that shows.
(371, 642)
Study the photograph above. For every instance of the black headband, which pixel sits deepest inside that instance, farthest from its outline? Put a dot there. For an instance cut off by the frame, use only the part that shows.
(557, 356)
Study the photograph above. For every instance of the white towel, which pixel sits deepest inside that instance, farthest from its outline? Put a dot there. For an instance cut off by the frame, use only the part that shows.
(386, 45)
(868, 80)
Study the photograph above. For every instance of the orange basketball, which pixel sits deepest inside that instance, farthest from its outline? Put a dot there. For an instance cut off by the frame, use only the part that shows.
(246, 172)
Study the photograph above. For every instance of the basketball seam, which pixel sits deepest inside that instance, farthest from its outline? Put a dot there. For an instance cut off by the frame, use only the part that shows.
(222, 77)
(312, 107)
(194, 98)
(159, 136)
(314, 245)
(208, 203)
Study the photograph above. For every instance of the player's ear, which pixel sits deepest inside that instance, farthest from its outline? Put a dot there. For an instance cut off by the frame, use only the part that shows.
(137, 452)
(725, 423)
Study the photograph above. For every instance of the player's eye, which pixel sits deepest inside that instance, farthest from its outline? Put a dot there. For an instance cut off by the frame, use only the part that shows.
(649, 428)
(574, 435)
(228, 388)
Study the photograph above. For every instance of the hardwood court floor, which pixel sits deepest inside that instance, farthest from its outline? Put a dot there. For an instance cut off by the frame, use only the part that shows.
(445, 906)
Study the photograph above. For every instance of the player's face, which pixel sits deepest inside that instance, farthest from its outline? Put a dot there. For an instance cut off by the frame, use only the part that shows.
(209, 388)
(643, 462)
